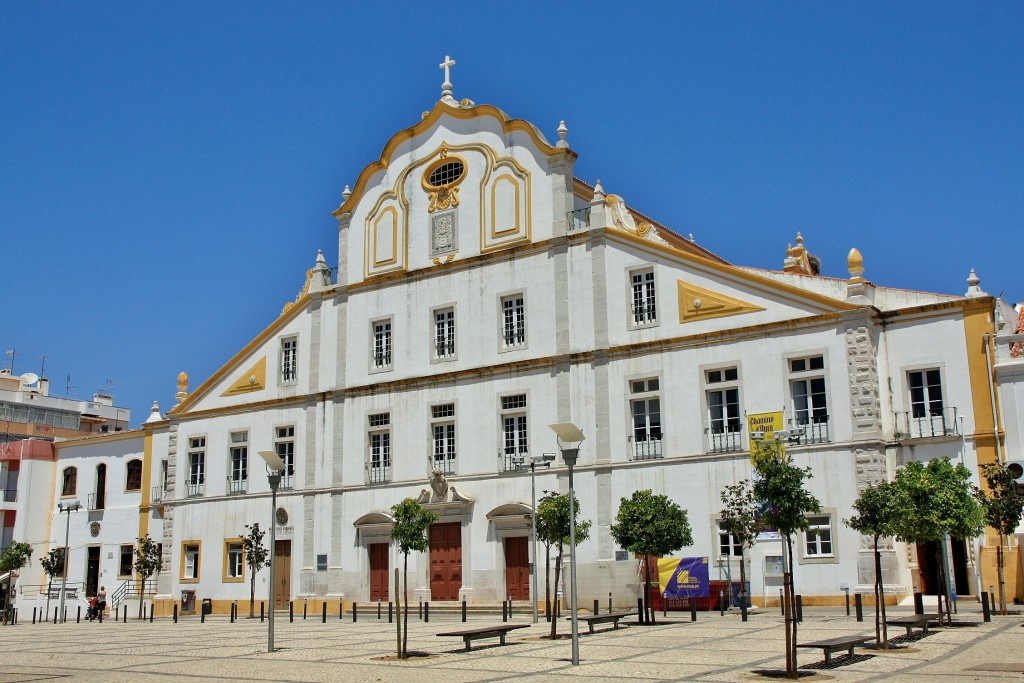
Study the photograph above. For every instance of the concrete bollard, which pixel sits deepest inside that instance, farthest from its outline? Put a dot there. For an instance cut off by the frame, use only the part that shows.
(918, 603)
(175, 613)
(693, 609)
(355, 612)
(463, 612)
(858, 602)
(986, 614)
(800, 608)
(426, 613)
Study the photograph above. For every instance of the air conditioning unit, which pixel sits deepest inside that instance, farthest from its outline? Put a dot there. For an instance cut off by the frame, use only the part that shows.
(1016, 469)
(757, 436)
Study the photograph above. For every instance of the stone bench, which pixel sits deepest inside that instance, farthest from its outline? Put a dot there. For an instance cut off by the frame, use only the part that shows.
(470, 634)
(912, 621)
(837, 645)
(610, 617)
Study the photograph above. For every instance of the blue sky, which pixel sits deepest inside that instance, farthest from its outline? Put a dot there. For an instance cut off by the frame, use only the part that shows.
(167, 170)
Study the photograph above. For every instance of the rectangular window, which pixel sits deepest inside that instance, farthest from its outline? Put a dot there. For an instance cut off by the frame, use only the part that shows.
(382, 345)
(645, 409)
(70, 483)
(234, 565)
(289, 368)
(443, 427)
(723, 401)
(515, 438)
(379, 439)
(644, 307)
(818, 537)
(196, 482)
(444, 334)
(928, 415)
(513, 321)
(810, 403)
(190, 555)
(728, 544)
(124, 567)
(133, 475)
(238, 466)
(284, 444)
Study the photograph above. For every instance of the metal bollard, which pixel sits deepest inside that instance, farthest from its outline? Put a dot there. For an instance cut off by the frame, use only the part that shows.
(202, 616)
(263, 606)
(610, 601)
(378, 609)
(782, 603)
(66, 615)
(341, 608)
(389, 611)
(323, 616)
(124, 619)
(152, 608)
(231, 613)
(641, 611)
(419, 614)
(858, 601)
(291, 611)
(986, 614)
(305, 606)
(426, 613)
(34, 614)
(504, 616)
(800, 608)
(721, 603)
(78, 616)
(175, 612)
(918, 603)
(597, 606)
(56, 614)
(463, 612)
(355, 612)
(693, 609)
(743, 606)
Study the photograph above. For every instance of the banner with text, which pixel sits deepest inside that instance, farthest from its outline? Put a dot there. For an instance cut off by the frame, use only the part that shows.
(685, 577)
(763, 426)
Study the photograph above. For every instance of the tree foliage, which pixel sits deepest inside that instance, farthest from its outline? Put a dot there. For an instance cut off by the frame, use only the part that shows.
(553, 530)
(53, 565)
(1003, 505)
(257, 556)
(14, 557)
(650, 524)
(147, 563)
(741, 519)
(412, 521)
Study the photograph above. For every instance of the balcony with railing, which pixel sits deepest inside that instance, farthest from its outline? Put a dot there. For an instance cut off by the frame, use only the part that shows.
(514, 458)
(195, 489)
(157, 495)
(1010, 349)
(10, 495)
(446, 464)
(95, 501)
(579, 219)
(927, 424)
(237, 486)
(724, 441)
(379, 474)
(805, 433)
(287, 482)
(646, 449)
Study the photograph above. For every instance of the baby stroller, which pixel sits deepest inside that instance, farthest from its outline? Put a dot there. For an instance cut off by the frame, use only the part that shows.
(93, 610)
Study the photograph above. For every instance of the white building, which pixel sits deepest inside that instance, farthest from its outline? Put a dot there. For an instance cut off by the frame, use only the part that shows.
(482, 293)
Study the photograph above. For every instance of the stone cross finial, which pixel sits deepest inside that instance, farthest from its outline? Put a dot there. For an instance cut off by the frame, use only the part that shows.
(446, 87)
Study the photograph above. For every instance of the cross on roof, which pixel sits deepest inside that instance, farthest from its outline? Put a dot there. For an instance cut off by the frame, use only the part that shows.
(446, 87)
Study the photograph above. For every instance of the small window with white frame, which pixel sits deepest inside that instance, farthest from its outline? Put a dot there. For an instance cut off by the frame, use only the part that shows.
(289, 360)
(722, 393)
(380, 345)
(379, 446)
(515, 437)
(645, 413)
(929, 416)
(238, 463)
(191, 554)
(513, 321)
(442, 427)
(284, 444)
(810, 400)
(234, 560)
(444, 333)
(728, 544)
(643, 298)
(818, 539)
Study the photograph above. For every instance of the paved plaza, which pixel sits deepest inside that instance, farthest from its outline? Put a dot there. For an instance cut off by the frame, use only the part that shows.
(715, 648)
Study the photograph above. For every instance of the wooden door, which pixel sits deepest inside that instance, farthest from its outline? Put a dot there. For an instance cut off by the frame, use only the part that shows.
(92, 570)
(282, 574)
(379, 572)
(517, 568)
(445, 561)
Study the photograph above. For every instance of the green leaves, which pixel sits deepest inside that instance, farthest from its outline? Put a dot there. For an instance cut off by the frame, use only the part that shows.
(53, 562)
(741, 514)
(553, 520)
(881, 510)
(1003, 503)
(649, 524)
(411, 523)
(940, 500)
(15, 556)
(257, 556)
(781, 486)
(147, 557)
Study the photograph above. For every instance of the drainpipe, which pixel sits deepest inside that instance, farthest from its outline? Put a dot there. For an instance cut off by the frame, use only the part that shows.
(992, 397)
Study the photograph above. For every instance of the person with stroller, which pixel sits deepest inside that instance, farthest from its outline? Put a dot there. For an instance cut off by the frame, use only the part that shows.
(90, 613)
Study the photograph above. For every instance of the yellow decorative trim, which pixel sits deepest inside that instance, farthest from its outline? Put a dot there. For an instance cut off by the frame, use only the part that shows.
(697, 303)
(447, 195)
(492, 239)
(199, 561)
(379, 218)
(253, 379)
(495, 233)
(447, 259)
(224, 566)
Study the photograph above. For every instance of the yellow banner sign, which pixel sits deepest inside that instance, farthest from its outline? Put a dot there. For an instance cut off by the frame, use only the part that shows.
(762, 426)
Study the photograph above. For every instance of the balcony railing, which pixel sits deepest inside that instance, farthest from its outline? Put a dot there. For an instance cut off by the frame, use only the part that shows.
(815, 431)
(287, 482)
(927, 424)
(195, 489)
(579, 219)
(96, 501)
(237, 486)
(513, 458)
(10, 495)
(646, 449)
(725, 442)
(379, 474)
(1010, 349)
(445, 464)
(157, 494)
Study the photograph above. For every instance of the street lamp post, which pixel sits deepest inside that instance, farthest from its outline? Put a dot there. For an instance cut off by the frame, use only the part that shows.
(546, 460)
(73, 506)
(274, 467)
(569, 437)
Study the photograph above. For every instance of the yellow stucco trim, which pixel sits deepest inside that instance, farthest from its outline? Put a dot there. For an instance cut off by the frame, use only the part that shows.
(224, 566)
(698, 303)
(199, 561)
(147, 475)
(253, 379)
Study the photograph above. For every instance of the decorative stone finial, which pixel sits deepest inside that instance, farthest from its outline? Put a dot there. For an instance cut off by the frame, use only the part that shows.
(973, 289)
(598, 190)
(562, 133)
(320, 260)
(855, 264)
(446, 87)
(346, 193)
(182, 387)
(154, 413)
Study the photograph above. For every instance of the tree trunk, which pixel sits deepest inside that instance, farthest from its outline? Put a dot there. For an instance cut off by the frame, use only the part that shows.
(880, 600)
(547, 581)
(252, 595)
(743, 584)
(142, 586)
(999, 566)
(405, 626)
(943, 582)
(49, 589)
(558, 571)
(787, 581)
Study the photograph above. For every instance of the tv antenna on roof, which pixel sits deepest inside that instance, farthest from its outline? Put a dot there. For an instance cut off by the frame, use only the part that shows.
(42, 365)
(11, 353)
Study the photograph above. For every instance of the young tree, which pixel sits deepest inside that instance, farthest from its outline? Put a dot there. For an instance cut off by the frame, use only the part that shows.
(941, 501)
(14, 557)
(649, 525)
(880, 509)
(53, 565)
(741, 519)
(780, 485)
(553, 530)
(147, 563)
(412, 522)
(257, 556)
(1003, 505)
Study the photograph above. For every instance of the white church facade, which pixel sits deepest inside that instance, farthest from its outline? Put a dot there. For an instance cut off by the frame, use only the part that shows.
(482, 293)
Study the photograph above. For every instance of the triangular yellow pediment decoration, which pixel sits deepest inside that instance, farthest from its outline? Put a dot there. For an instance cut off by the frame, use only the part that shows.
(697, 303)
(253, 379)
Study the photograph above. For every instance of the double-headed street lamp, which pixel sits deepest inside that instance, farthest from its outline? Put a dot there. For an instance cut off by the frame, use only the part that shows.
(569, 437)
(274, 466)
(544, 459)
(73, 506)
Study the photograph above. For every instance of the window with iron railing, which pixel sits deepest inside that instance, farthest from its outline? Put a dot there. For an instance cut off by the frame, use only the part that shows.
(810, 400)
(515, 437)
(645, 408)
(513, 315)
(724, 417)
(381, 351)
(379, 444)
(643, 297)
(931, 424)
(443, 428)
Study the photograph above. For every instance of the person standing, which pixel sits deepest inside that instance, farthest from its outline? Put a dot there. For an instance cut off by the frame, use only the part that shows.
(101, 602)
